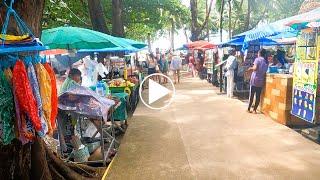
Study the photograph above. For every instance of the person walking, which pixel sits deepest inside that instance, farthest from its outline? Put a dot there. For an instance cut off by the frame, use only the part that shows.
(229, 72)
(175, 66)
(191, 66)
(152, 64)
(164, 67)
(258, 76)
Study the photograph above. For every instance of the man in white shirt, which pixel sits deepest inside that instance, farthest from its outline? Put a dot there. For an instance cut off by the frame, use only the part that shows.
(229, 69)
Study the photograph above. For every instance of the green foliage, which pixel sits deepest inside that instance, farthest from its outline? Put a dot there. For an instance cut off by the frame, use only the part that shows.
(141, 17)
(66, 12)
(261, 10)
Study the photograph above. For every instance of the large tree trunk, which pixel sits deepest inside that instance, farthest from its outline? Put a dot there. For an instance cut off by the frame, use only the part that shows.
(221, 19)
(117, 21)
(30, 161)
(208, 33)
(98, 19)
(246, 27)
(149, 43)
(196, 28)
(194, 20)
(172, 34)
(230, 19)
(30, 12)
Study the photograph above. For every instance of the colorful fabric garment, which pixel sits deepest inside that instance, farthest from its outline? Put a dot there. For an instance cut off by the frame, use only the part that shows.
(18, 123)
(45, 92)
(27, 128)
(26, 100)
(6, 110)
(8, 74)
(54, 95)
(36, 93)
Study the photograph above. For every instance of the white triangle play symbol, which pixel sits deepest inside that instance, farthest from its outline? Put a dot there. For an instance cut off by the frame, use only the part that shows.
(156, 91)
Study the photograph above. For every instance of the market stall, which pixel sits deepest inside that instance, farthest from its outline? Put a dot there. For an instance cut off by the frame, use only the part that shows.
(292, 99)
(86, 126)
(205, 56)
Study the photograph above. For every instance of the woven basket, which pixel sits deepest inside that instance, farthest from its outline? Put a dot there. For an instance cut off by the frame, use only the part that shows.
(81, 155)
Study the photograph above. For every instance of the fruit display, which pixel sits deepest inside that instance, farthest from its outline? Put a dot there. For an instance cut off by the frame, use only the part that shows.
(121, 83)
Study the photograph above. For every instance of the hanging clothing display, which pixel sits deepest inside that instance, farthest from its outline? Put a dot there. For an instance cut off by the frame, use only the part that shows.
(45, 92)
(6, 110)
(8, 74)
(35, 89)
(26, 100)
(54, 95)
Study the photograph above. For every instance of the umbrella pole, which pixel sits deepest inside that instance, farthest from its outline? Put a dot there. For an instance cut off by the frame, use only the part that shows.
(69, 62)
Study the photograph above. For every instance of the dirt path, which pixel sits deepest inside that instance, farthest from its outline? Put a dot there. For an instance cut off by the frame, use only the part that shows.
(203, 135)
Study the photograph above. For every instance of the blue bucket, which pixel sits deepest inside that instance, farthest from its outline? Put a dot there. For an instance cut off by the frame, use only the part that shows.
(273, 69)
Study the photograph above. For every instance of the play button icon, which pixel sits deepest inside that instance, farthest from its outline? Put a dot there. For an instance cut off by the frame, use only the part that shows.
(157, 95)
(156, 91)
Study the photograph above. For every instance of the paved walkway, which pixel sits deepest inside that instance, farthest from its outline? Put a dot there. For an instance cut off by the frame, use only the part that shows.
(206, 136)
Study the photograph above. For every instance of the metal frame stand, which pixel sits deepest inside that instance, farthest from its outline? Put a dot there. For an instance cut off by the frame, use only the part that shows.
(107, 134)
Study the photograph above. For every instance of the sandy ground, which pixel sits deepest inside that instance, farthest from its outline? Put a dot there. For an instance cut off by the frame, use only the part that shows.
(203, 135)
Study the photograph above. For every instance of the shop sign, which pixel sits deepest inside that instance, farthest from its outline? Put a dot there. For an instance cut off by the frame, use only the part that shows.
(305, 76)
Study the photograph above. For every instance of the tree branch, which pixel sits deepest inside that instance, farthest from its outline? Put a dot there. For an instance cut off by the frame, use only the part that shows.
(207, 17)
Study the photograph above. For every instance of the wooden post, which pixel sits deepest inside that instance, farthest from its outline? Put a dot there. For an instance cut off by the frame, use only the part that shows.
(221, 79)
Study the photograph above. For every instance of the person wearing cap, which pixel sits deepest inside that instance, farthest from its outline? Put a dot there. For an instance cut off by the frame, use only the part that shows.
(229, 72)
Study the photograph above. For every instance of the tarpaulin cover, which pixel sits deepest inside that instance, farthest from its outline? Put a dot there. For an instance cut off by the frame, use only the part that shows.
(239, 41)
(200, 45)
(81, 100)
(302, 20)
(121, 112)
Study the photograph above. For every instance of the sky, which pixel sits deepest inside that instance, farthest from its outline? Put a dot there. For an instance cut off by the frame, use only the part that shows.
(164, 41)
(186, 2)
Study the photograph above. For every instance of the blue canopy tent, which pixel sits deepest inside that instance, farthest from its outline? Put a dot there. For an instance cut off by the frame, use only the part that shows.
(239, 41)
(133, 43)
(275, 28)
(110, 50)
(126, 46)
(284, 35)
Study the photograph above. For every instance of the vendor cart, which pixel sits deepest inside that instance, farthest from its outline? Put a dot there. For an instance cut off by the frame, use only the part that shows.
(79, 107)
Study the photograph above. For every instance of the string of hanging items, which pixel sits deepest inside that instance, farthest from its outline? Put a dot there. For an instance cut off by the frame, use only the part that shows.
(28, 90)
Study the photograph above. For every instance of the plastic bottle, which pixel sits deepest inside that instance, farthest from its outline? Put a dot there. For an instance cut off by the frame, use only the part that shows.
(100, 89)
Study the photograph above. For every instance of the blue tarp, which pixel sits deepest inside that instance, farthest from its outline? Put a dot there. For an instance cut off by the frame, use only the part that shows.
(116, 49)
(302, 21)
(239, 41)
(133, 43)
(127, 46)
(284, 35)
(279, 26)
